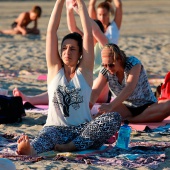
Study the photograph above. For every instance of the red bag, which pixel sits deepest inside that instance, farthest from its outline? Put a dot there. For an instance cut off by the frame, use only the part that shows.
(165, 88)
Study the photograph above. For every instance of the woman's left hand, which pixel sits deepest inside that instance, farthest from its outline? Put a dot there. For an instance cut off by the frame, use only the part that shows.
(104, 108)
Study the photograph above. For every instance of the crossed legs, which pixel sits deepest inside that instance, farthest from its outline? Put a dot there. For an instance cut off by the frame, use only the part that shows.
(89, 135)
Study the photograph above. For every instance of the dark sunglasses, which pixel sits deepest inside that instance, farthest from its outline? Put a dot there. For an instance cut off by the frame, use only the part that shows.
(108, 65)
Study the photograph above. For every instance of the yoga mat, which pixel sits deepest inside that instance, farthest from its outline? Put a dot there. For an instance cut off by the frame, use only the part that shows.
(153, 153)
(142, 126)
(42, 77)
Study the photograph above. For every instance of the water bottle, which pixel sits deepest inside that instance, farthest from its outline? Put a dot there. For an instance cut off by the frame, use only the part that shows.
(124, 136)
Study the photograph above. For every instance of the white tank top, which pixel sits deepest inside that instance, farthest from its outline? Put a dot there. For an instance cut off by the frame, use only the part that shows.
(112, 33)
(68, 101)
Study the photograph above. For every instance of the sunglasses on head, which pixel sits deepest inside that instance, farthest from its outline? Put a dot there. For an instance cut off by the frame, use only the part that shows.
(108, 65)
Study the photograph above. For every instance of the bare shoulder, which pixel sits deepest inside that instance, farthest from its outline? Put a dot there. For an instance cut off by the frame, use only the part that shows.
(87, 74)
(23, 15)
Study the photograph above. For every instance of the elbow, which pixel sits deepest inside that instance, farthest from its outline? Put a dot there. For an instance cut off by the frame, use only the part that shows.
(72, 30)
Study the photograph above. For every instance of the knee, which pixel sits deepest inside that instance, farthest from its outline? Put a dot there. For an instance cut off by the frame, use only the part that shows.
(115, 117)
(165, 106)
(116, 120)
(164, 109)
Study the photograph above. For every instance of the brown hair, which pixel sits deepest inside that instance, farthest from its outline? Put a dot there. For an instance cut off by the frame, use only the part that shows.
(37, 10)
(104, 5)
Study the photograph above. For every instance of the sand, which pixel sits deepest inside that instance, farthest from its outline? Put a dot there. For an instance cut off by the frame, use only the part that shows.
(145, 33)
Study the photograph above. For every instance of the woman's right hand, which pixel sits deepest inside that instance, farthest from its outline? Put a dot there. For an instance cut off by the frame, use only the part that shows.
(105, 108)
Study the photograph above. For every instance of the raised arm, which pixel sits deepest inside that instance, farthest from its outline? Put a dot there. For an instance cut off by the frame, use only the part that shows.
(87, 62)
(52, 54)
(97, 33)
(118, 13)
(92, 9)
(71, 22)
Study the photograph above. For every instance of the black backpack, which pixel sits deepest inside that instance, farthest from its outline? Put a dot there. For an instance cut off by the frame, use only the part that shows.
(11, 109)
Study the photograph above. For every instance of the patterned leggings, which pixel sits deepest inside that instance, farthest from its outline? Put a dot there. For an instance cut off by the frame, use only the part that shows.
(88, 135)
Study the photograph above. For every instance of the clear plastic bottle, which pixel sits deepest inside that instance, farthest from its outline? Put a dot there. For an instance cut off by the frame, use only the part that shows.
(124, 136)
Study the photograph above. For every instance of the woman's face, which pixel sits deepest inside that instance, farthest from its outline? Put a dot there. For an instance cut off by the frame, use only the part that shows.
(33, 16)
(103, 15)
(108, 61)
(70, 52)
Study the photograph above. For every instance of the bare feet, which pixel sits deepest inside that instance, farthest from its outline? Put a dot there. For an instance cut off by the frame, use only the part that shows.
(17, 92)
(24, 147)
(65, 147)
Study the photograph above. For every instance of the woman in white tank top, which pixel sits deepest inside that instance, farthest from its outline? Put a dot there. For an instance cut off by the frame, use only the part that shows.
(69, 125)
(102, 13)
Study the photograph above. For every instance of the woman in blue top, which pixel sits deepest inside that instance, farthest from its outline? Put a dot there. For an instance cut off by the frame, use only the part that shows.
(128, 83)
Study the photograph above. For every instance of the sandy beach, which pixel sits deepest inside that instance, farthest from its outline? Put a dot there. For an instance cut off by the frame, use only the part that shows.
(145, 33)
